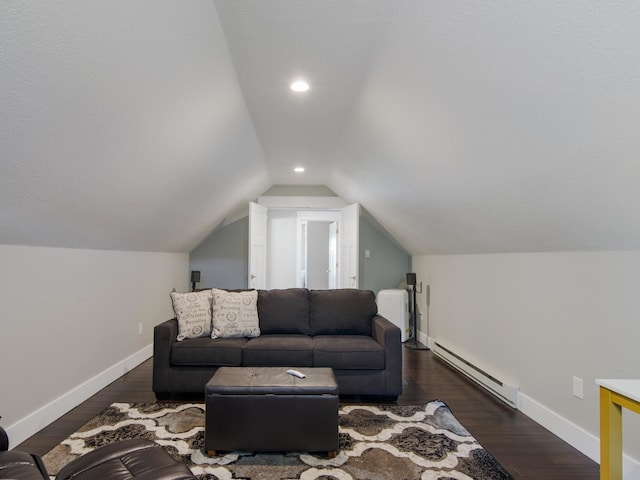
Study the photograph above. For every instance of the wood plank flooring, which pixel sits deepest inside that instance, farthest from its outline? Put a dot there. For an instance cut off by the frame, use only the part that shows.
(524, 448)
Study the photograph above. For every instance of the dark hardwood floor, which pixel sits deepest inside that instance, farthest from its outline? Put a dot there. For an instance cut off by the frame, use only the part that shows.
(524, 448)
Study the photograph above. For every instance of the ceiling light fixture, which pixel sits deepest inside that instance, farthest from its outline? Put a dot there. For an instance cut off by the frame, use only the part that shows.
(298, 169)
(299, 86)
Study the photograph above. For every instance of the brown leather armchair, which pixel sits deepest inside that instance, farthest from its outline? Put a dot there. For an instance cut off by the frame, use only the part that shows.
(19, 465)
(137, 458)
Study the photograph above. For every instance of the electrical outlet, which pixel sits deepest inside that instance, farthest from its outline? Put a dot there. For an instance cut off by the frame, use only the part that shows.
(140, 328)
(578, 388)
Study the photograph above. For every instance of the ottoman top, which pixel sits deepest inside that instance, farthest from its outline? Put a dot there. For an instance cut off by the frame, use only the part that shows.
(271, 380)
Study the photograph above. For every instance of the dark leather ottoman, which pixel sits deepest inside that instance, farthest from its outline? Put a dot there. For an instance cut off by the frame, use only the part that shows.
(264, 409)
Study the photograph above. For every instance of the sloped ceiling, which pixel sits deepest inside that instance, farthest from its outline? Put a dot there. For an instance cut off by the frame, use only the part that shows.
(123, 125)
(461, 127)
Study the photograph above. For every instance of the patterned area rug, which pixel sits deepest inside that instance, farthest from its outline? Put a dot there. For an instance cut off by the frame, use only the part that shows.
(391, 442)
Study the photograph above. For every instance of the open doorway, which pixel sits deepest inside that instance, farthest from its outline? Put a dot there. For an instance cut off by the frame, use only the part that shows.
(317, 243)
(321, 254)
(317, 250)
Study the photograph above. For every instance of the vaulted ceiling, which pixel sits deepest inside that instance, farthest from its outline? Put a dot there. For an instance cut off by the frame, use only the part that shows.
(460, 126)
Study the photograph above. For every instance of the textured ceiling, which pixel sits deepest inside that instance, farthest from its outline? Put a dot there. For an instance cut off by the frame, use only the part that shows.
(461, 127)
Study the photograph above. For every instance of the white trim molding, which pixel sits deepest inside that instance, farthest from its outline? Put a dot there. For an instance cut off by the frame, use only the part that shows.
(302, 203)
(571, 433)
(36, 421)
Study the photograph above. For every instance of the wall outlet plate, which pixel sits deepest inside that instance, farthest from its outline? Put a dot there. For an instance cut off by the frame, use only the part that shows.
(578, 387)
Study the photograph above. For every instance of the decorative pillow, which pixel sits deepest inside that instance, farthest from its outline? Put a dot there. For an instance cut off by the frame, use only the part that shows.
(193, 312)
(235, 314)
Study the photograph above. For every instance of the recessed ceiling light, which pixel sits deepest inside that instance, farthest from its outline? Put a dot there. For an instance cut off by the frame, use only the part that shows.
(298, 169)
(299, 86)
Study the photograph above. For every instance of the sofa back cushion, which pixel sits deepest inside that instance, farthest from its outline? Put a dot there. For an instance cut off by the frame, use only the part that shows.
(284, 311)
(345, 311)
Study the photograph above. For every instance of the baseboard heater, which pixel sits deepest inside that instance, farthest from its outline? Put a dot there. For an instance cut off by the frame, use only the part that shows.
(506, 393)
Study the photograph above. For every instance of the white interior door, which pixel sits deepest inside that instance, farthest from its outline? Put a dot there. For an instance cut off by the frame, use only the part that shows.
(257, 277)
(349, 232)
(333, 255)
(301, 252)
(318, 255)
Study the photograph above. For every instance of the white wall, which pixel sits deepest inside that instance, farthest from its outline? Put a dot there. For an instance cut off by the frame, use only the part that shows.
(281, 249)
(536, 320)
(70, 322)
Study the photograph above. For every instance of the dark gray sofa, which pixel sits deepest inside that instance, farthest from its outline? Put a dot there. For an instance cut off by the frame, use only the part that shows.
(339, 329)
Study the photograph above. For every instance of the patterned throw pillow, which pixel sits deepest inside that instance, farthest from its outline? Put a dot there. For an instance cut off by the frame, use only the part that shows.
(193, 312)
(235, 314)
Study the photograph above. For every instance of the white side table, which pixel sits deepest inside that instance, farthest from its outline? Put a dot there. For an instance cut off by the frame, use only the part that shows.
(614, 394)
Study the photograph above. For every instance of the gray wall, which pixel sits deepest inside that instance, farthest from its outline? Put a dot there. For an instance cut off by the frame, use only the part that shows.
(388, 264)
(222, 258)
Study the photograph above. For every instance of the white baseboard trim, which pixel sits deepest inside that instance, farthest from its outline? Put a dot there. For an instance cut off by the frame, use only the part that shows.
(577, 437)
(571, 433)
(36, 421)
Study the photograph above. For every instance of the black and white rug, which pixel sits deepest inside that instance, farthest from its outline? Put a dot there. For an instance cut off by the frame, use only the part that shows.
(423, 442)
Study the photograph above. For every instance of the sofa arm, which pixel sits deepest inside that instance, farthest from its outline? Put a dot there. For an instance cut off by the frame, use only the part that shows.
(164, 336)
(389, 336)
(384, 332)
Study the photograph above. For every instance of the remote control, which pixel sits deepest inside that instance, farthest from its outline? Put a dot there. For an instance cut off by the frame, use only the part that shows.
(296, 373)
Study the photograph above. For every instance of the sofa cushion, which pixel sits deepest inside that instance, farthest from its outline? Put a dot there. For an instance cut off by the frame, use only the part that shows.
(193, 312)
(342, 312)
(284, 311)
(278, 351)
(208, 352)
(235, 314)
(347, 352)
